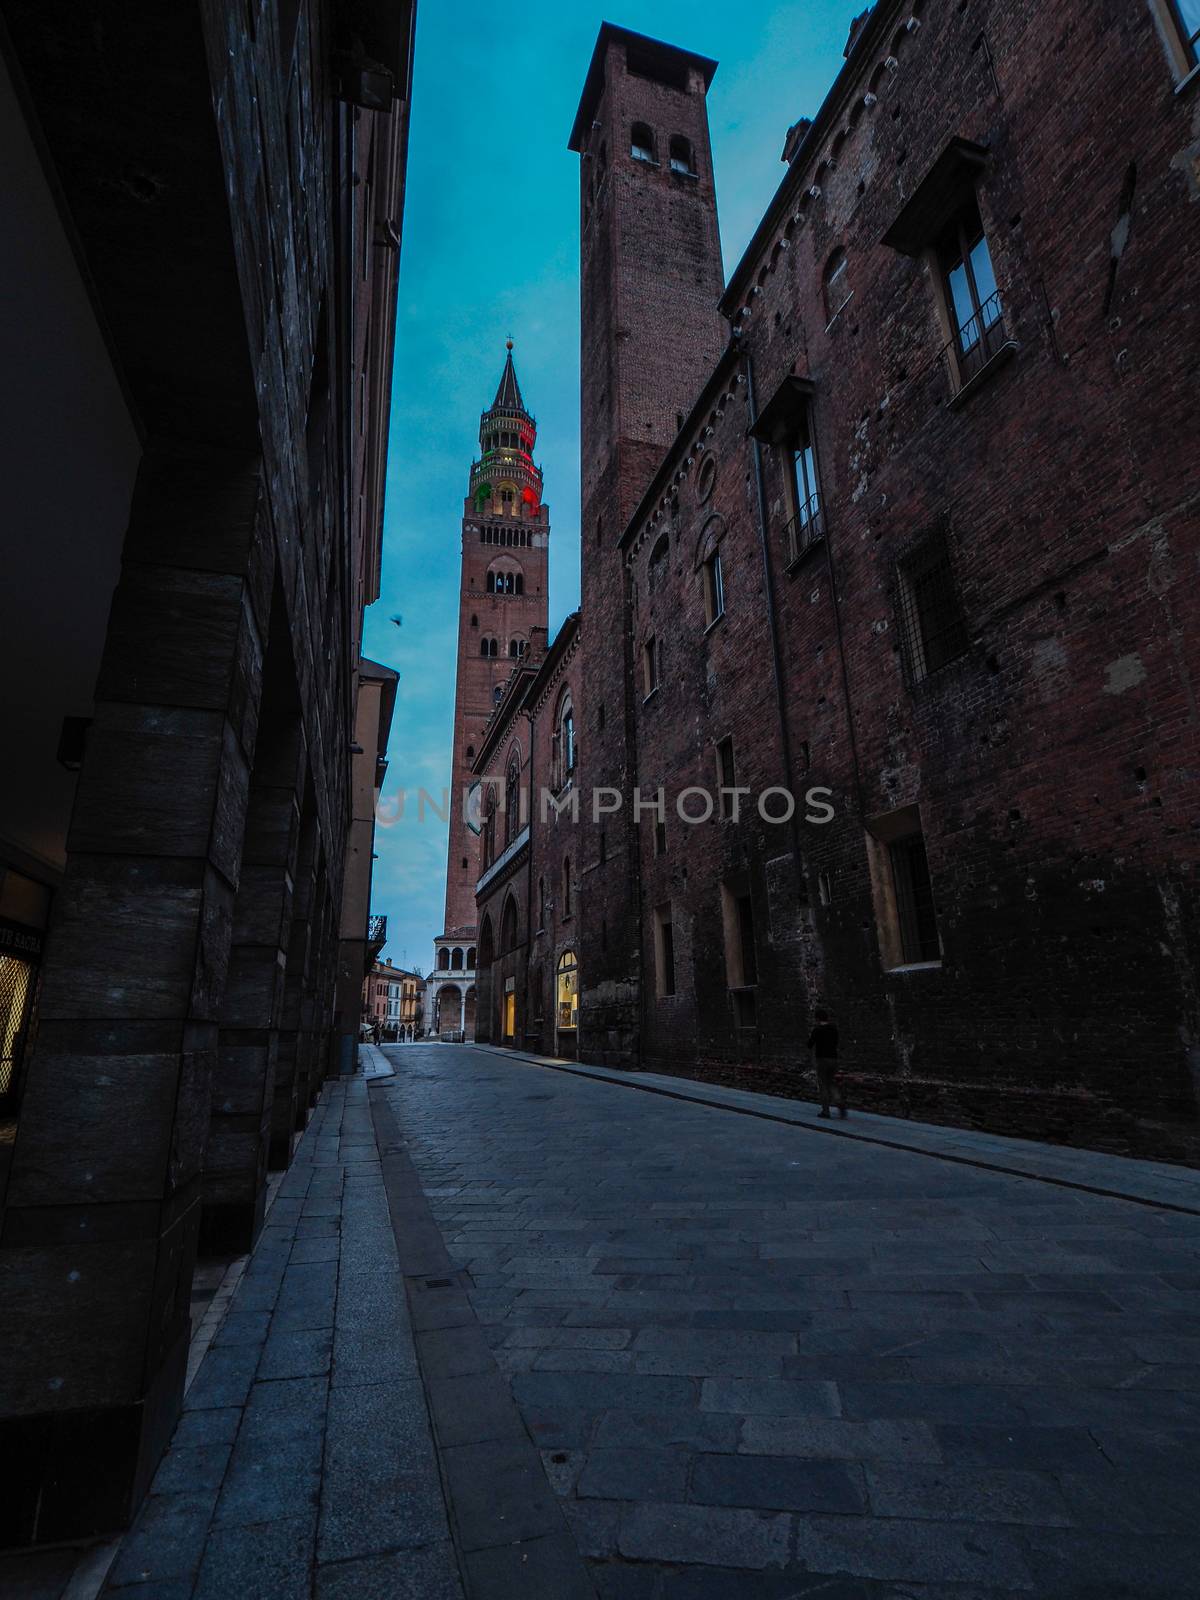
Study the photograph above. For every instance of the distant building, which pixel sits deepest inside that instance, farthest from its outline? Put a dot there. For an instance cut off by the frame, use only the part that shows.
(201, 220)
(502, 601)
(393, 998)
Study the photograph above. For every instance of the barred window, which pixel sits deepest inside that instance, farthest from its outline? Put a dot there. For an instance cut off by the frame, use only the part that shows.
(932, 628)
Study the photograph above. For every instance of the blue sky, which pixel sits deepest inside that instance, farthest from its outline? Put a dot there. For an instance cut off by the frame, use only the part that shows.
(491, 247)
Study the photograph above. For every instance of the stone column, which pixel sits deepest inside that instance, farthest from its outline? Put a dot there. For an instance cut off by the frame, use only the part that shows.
(99, 1233)
(243, 1091)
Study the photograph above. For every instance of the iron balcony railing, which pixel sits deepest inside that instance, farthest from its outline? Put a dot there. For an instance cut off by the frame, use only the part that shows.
(803, 530)
(979, 340)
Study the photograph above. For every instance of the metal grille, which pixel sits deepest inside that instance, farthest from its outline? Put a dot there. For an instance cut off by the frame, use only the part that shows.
(803, 530)
(914, 899)
(980, 338)
(16, 987)
(931, 621)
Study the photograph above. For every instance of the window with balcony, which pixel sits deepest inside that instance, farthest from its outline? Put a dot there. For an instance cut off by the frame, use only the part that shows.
(787, 424)
(971, 296)
(805, 525)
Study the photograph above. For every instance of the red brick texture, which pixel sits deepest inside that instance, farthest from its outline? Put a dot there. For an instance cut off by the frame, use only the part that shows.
(1054, 762)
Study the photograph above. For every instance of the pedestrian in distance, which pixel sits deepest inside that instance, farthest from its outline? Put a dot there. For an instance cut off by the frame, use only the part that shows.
(823, 1042)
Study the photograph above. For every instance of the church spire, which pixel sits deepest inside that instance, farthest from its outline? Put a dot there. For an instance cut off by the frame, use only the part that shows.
(505, 479)
(508, 395)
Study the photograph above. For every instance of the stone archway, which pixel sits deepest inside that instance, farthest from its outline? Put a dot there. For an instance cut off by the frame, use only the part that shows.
(450, 1009)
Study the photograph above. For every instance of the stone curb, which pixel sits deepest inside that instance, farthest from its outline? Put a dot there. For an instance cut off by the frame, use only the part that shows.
(1187, 1182)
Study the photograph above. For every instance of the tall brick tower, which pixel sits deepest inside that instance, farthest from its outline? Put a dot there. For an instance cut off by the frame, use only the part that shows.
(651, 334)
(502, 598)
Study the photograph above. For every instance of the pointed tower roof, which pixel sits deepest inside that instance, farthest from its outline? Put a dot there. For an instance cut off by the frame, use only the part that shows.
(508, 395)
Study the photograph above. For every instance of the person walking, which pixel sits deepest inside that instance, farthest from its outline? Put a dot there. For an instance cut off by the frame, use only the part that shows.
(823, 1042)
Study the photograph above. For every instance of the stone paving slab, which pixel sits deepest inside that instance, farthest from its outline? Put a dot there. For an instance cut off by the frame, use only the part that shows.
(303, 1465)
(1128, 1177)
(888, 1361)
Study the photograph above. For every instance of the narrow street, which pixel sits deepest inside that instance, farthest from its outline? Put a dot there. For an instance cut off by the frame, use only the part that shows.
(513, 1331)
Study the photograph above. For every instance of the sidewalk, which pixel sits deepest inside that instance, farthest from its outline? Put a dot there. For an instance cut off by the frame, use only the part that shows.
(303, 1464)
(1091, 1171)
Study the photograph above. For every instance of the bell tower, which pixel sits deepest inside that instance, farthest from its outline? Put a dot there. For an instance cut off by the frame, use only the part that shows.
(502, 598)
(650, 335)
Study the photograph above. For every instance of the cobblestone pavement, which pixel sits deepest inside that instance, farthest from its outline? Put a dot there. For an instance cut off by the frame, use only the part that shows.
(761, 1361)
(522, 1333)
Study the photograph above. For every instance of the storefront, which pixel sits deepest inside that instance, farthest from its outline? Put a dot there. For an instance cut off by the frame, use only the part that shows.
(566, 988)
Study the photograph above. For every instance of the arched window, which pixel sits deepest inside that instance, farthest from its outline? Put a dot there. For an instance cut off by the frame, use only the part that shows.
(681, 156)
(512, 798)
(443, 961)
(564, 753)
(487, 944)
(641, 142)
(505, 577)
(517, 648)
(474, 621)
(488, 646)
(566, 886)
(837, 284)
(456, 960)
(471, 959)
(508, 925)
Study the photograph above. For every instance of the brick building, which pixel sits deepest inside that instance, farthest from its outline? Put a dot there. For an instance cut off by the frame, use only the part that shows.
(201, 214)
(529, 884)
(503, 597)
(903, 514)
(393, 998)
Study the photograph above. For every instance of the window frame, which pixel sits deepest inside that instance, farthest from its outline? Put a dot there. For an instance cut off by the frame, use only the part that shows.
(665, 985)
(901, 898)
(651, 666)
(837, 266)
(1183, 49)
(919, 565)
(714, 589)
(725, 782)
(646, 152)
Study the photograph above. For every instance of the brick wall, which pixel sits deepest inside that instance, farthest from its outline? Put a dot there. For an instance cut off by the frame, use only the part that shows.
(1053, 763)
